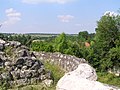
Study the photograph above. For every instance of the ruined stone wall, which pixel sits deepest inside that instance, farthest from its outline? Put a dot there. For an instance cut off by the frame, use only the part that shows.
(66, 62)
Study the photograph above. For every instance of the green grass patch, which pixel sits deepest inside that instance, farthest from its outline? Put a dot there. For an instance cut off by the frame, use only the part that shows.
(56, 71)
(108, 78)
(8, 51)
(34, 87)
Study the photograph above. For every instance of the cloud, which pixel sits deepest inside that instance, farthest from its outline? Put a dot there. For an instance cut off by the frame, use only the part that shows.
(111, 13)
(46, 1)
(65, 18)
(12, 16)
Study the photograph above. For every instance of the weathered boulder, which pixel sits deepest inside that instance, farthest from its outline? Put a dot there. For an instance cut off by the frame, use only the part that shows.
(83, 78)
(85, 71)
(23, 53)
(14, 43)
(2, 41)
(29, 62)
(47, 82)
(36, 65)
(20, 61)
(8, 65)
(2, 54)
(16, 74)
(75, 83)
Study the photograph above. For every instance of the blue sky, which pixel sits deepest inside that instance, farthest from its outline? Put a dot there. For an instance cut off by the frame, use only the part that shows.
(53, 16)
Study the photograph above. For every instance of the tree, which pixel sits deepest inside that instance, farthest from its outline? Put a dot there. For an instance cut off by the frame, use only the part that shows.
(83, 36)
(49, 48)
(114, 57)
(107, 34)
(1, 35)
(61, 43)
(74, 49)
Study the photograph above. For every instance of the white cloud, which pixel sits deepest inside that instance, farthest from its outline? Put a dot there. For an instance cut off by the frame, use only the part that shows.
(65, 18)
(46, 1)
(12, 16)
(111, 13)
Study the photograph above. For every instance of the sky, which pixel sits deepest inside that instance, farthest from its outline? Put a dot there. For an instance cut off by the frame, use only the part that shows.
(53, 16)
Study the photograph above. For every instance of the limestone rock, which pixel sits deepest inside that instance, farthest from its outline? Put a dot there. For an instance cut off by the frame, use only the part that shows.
(69, 82)
(48, 82)
(23, 53)
(2, 41)
(83, 78)
(29, 62)
(14, 43)
(20, 61)
(7, 63)
(3, 55)
(85, 71)
(21, 82)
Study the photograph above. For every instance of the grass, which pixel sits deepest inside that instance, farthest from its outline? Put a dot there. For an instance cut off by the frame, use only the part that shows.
(8, 51)
(34, 87)
(56, 70)
(108, 78)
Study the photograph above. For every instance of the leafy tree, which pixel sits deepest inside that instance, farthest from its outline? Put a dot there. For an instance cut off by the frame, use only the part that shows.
(107, 34)
(74, 49)
(83, 36)
(49, 48)
(61, 43)
(114, 57)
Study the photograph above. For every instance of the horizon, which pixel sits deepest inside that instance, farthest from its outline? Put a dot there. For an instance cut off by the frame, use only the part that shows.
(39, 33)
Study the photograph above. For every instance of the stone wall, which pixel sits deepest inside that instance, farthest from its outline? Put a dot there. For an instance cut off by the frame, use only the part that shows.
(66, 62)
(19, 67)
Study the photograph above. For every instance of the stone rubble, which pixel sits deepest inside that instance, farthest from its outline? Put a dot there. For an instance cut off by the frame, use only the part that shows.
(20, 68)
